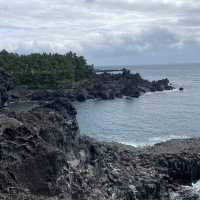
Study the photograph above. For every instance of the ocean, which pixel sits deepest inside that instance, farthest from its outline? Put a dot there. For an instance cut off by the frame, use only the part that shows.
(152, 118)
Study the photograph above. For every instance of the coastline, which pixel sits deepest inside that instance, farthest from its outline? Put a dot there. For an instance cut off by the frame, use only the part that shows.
(47, 158)
(104, 169)
(99, 86)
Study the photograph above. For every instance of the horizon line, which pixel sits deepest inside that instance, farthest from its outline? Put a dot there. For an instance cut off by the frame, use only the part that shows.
(143, 65)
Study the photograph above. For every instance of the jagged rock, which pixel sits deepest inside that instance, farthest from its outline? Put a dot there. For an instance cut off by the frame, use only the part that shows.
(34, 152)
(43, 156)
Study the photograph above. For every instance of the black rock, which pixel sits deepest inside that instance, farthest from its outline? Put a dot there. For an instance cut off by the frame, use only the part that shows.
(101, 86)
(181, 88)
(43, 156)
(81, 95)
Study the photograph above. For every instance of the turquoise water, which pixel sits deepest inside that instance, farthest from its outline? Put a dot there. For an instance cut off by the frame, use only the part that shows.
(152, 118)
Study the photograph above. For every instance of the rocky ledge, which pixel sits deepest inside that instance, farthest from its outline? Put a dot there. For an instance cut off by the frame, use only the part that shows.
(43, 156)
(98, 86)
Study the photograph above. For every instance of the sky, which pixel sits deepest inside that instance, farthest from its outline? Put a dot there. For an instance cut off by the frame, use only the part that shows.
(106, 32)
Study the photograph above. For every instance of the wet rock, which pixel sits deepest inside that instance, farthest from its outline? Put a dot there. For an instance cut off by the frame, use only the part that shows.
(181, 88)
(185, 193)
(161, 85)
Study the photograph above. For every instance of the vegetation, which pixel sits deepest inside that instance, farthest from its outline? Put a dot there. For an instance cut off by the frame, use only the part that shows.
(45, 70)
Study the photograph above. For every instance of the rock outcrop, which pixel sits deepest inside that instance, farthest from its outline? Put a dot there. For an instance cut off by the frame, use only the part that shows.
(43, 156)
(6, 84)
(99, 86)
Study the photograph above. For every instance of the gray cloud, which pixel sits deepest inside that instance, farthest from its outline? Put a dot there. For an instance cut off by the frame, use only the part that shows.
(104, 30)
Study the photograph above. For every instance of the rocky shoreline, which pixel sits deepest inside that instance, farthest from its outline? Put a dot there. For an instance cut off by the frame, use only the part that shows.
(99, 86)
(43, 156)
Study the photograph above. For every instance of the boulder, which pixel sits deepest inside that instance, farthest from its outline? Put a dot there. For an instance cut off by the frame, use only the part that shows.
(161, 85)
(181, 88)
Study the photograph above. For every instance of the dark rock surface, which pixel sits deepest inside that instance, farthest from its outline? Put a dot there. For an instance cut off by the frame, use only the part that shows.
(6, 84)
(109, 86)
(181, 88)
(43, 156)
(99, 86)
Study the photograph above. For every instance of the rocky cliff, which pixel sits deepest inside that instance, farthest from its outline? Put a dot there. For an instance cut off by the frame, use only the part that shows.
(6, 84)
(99, 86)
(43, 156)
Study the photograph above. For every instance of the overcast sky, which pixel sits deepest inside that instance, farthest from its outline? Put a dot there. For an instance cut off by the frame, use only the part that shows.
(104, 31)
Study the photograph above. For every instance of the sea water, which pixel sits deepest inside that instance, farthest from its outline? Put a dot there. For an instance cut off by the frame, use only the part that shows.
(152, 118)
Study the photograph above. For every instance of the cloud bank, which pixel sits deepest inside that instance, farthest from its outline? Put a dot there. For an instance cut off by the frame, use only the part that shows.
(105, 31)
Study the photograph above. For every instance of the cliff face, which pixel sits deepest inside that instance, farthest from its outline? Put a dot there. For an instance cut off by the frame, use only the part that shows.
(6, 84)
(36, 146)
(43, 156)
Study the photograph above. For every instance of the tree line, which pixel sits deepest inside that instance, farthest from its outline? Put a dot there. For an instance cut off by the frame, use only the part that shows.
(46, 70)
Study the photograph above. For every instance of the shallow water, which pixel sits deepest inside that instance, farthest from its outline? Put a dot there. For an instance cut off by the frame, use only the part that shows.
(152, 118)
(22, 106)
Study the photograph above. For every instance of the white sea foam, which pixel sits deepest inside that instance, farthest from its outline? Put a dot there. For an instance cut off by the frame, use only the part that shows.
(158, 139)
(136, 144)
(196, 187)
(162, 92)
(187, 192)
(155, 140)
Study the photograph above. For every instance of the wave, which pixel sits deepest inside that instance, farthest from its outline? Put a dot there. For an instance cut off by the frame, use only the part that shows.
(162, 92)
(158, 139)
(135, 144)
(155, 140)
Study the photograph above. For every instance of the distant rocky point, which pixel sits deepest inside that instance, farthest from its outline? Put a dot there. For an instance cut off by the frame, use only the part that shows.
(98, 86)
